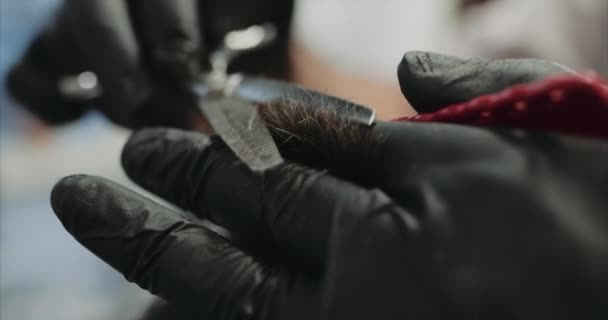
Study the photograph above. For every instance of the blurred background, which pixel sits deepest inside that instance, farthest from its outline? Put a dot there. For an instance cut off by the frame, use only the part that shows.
(344, 47)
(44, 272)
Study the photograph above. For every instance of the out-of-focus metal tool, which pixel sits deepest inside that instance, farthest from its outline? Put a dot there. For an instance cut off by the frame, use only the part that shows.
(227, 100)
(234, 119)
(81, 87)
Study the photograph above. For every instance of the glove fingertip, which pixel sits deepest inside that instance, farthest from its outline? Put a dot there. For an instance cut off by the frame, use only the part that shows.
(419, 64)
(65, 188)
(68, 193)
(137, 148)
(417, 74)
(139, 138)
(144, 150)
(412, 62)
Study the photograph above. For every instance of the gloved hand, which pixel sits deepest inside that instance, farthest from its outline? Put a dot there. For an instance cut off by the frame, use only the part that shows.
(427, 221)
(143, 52)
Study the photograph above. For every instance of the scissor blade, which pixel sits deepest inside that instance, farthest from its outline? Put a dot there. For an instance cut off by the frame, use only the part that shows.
(238, 123)
(264, 91)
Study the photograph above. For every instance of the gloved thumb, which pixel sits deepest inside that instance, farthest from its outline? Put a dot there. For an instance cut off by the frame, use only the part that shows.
(431, 81)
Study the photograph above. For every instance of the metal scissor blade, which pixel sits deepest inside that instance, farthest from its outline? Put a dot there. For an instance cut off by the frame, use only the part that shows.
(238, 123)
(264, 91)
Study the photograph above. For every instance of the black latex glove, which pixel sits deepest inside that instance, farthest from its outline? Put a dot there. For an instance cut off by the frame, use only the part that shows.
(143, 51)
(430, 221)
(456, 222)
(431, 81)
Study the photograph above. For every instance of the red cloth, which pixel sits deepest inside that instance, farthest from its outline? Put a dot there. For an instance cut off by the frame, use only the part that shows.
(571, 104)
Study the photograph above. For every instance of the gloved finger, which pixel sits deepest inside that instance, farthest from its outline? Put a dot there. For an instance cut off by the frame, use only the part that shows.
(170, 36)
(290, 207)
(106, 41)
(35, 80)
(431, 81)
(188, 265)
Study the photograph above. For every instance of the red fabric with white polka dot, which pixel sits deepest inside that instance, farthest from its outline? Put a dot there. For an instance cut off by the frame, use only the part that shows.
(571, 104)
